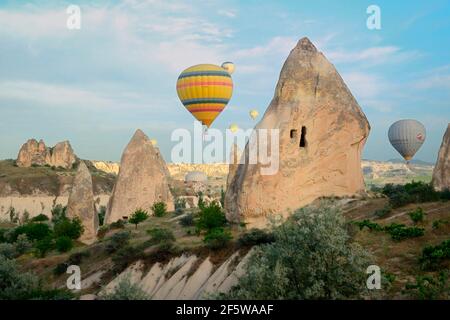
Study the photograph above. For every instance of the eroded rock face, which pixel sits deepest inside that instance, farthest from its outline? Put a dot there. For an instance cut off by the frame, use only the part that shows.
(141, 181)
(81, 204)
(37, 153)
(322, 132)
(441, 173)
(235, 156)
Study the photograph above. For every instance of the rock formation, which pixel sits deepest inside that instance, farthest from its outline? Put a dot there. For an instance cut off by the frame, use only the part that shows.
(141, 180)
(36, 153)
(322, 131)
(441, 173)
(81, 204)
(235, 156)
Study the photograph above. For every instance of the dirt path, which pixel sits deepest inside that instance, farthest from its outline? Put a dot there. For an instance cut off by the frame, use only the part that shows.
(408, 211)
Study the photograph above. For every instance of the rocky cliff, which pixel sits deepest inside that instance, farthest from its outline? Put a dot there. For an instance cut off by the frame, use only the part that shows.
(38, 154)
(441, 173)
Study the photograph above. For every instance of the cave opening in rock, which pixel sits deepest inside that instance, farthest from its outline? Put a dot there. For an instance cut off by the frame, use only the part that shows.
(303, 138)
(293, 134)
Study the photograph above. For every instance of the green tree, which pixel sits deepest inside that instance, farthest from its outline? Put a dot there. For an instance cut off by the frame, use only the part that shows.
(63, 244)
(217, 238)
(211, 217)
(312, 257)
(72, 228)
(138, 216)
(44, 246)
(159, 209)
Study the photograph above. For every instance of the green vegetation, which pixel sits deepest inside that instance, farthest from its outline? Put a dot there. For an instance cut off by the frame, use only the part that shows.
(217, 238)
(417, 215)
(40, 218)
(117, 241)
(187, 220)
(74, 259)
(159, 209)
(429, 287)
(381, 213)
(138, 216)
(398, 232)
(414, 192)
(433, 256)
(180, 203)
(438, 223)
(63, 244)
(126, 290)
(43, 246)
(372, 226)
(101, 215)
(65, 227)
(211, 217)
(161, 235)
(33, 231)
(58, 213)
(255, 237)
(312, 257)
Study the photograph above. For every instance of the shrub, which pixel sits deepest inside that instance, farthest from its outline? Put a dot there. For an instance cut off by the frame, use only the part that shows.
(428, 287)
(63, 244)
(381, 213)
(372, 226)
(312, 257)
(438, 223)
(126, 290)
(179, 211)
(13, 215)
(159, 209)
(255, 237)
(117, 241)
(124, 256)
(433, 256)
(74, 259)
(180, 203)
(400, 232)
(43, 246)
(119, 224)
(211, 217)
(3, 232)
(72, 228)
(8, 251)
(160, 235)
(40, 218)
(34, 231)
(222, 197)
(417, 215)
(58, 213)
(187, 220)
(138, 216)
(101, 215)
(22, 244)
(414, 192)
(217, 238)
(445, 194)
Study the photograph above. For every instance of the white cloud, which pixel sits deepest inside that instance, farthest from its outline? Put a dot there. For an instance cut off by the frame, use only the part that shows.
(227, 13)
(276, 45)
(438, 78)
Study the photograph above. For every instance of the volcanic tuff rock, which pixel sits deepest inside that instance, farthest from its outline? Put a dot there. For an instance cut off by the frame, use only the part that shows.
(141, 181)
(36, 153)
(441, 173)
(322, 131)
(81, 204)
(235, 156)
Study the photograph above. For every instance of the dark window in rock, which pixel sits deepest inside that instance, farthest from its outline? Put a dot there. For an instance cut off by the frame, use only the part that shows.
(303, 138)
(293, 134)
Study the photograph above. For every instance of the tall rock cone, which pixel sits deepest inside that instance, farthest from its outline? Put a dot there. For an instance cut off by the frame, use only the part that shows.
(141, 181)
(441, 173)
(235, 156)
(81, 204)
(322, 132)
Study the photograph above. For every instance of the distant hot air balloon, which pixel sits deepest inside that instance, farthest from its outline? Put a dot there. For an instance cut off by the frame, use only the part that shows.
(407, 136)
(254, 114)
(205, 90)
(154, 142)
(229, 66)
(234, 127)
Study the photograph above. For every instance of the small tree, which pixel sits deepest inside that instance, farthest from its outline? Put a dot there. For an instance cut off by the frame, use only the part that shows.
(159, 209)
(138, 216)
(217, 238)
(417, 215)
(72, 228)
(63, 244)
(211, 217)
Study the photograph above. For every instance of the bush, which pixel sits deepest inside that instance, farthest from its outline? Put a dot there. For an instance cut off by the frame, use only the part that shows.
(255, 237)
(117, 241)
(217, 238)
(211, 217)
(13, 215)
(101, 215)
(3, 232)
(119, 224)
(34, 231)
(312, 257)
(372, 226)
(43, 246)
(24, 286)
(125, 290)
(187, 220)
(63, 244)
(40, 218)
(72, 228)
(381, 213)
(428, 287)
(417, 215)
(138, 216)
(201, 202)
(433, 256)
(8, 251)
(22, 244)
(160, 235)
(179, 211)
(414, 192)
(74, 259)
(124, 256)
(400, 232)
(58, 213)
(159, 209)
(438, 223)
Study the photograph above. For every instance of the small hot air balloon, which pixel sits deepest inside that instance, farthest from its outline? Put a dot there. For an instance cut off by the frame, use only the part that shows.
(234, 127)
(205, 90)
(154, 142)
(407, 136)
(229, 66)
(254, 114)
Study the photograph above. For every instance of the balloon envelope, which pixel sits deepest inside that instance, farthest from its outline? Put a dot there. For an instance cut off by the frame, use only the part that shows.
(254, 114)
(407, 136)
(205, 90)
(234, 127)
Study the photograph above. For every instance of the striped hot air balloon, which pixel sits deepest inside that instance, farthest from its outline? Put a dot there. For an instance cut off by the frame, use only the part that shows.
(205, 90)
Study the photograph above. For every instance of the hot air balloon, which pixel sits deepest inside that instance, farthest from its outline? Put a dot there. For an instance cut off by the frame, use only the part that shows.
(205, 90)
(254, 114)
(407, 136)
(229, 66)
(234, 127)
(154, 142)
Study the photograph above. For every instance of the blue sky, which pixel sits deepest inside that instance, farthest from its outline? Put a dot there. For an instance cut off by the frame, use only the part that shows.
(96, 85)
